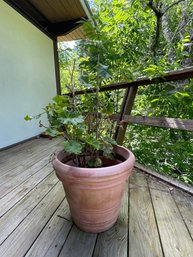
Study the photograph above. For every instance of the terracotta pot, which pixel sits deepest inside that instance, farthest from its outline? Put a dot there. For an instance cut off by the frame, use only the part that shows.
(94, 194)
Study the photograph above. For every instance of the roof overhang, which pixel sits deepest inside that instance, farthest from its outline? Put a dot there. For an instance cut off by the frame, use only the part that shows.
(58, 19)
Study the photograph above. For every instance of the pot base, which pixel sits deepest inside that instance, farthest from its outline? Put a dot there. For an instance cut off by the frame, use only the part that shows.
(97, 220)
(96, 229)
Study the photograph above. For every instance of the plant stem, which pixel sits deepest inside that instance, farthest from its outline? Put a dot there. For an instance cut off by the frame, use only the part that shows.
(72, 86)
(97, 99)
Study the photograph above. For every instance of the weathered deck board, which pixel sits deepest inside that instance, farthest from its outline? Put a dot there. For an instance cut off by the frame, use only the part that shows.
(17, 168)
(142, 223)
(18, 149)
(113, 243)
(79, 244)
(9, 159)
(36, 152)
(53, 236)
(15, 195)
(9, 182)
(185, 206)
(155, 219)
(24, 170)
(15, 216)
(176, 241)
(21, 239)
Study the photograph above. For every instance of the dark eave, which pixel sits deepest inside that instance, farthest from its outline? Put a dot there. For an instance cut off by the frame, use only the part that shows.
(62, 28)
(52, 29)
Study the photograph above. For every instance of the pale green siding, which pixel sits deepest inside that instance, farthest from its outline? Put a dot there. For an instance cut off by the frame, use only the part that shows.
(27, 75)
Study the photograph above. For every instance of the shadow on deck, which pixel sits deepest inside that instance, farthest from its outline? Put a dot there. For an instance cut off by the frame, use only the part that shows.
(155, 220)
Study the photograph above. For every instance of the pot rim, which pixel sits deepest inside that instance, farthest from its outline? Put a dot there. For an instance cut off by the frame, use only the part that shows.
(82, 172)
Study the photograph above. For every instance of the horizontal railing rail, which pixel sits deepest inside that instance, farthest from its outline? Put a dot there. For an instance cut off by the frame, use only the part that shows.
(162, 122)
(143, 81)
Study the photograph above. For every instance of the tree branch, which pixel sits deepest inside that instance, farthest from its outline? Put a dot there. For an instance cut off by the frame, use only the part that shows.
(170, 6)
(158, 15)
(156, 10)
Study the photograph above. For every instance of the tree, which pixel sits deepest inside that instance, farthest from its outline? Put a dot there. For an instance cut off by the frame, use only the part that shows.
(135, 38)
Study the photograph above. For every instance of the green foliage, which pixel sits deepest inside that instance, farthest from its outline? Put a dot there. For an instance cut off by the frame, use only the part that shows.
(72, 119)
(73, 146)
(126, 31)
(164, 150)
(172, 99)
(92, 141)
(119, 48)
(52, 132)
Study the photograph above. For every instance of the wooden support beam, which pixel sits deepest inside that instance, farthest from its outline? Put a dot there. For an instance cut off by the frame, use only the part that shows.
(165, 122)
(126, 109)
(57, 67)
(119, 116)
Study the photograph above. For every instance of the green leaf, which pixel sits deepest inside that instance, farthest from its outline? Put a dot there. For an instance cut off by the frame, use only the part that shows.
(110, 140)
(98, 163)
(184, 94)
(186, 39)
(27, 117)
(150, 69)
(155, 100)
(92, 141)
(59, 101)
(72, 121)
(84, 79)
(103, 71)
(73, 146)
(52, 132)
(90, 163)
(94, 163)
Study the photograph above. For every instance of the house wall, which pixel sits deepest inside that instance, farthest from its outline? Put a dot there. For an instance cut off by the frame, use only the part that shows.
(27, 75)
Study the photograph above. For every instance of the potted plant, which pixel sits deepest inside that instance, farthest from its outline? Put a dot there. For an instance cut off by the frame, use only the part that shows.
(92, 167)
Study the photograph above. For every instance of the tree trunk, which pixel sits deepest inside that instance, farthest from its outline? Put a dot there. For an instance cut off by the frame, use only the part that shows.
(168, 36)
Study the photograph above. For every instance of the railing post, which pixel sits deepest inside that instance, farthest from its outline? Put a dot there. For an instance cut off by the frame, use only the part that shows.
(126, 109)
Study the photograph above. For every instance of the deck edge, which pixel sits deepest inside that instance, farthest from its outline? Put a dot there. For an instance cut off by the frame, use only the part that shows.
(20, 142)
(169, 180)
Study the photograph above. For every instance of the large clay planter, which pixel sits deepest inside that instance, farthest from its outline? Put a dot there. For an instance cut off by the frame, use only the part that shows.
(94, 194)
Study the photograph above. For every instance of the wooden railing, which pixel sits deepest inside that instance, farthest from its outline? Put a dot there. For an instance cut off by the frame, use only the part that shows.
(157, 122)
(143, 81)
(124, 118)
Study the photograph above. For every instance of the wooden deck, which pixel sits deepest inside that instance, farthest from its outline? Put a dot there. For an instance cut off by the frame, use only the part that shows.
(155, 220)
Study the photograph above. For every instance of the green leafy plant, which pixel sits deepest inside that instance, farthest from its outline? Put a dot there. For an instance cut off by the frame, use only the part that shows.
(83, 120)
(86, 133)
